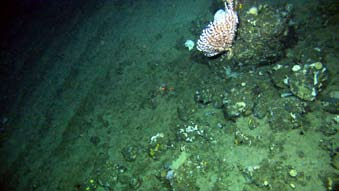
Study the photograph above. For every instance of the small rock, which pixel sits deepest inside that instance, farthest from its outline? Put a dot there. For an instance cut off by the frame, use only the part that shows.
(335, 161)
(307, 81)
(129, 153)
(253, 11)
(292, 185)
(95, 140)
(293, 173)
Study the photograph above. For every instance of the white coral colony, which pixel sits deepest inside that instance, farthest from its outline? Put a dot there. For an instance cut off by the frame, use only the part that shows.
(189, 44)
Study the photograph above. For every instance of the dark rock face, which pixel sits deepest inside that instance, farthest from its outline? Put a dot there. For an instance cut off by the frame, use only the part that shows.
(261, 38)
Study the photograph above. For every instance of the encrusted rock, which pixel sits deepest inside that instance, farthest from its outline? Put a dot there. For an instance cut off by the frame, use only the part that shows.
(260, 38)
(203, 96)
(129, 153)
(237, 103)
(307, 82)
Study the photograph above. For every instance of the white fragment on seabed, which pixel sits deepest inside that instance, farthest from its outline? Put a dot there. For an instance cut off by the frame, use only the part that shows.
(155, 137)
(296, 68)
(315, 78)
(286, 94)
(314, 92)
(317, 49)
(286, 80)
(189, 44)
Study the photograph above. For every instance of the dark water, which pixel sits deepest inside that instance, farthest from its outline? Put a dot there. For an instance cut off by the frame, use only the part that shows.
(103, 95)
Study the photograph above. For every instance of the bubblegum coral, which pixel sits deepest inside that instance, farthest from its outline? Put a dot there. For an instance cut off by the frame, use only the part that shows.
(218, 36)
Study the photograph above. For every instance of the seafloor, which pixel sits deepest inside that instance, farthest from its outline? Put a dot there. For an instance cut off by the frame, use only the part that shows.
(102, 95)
